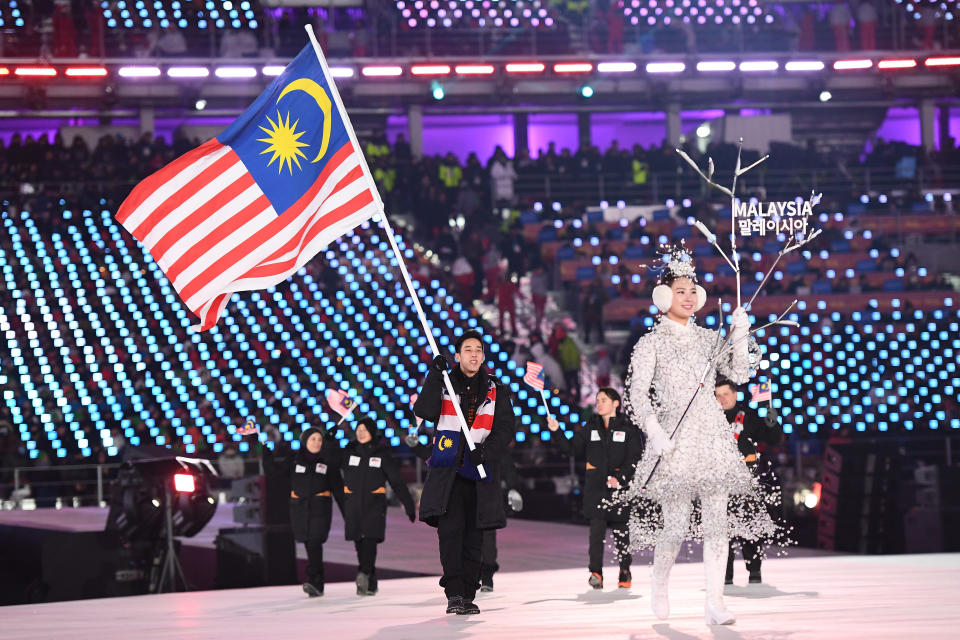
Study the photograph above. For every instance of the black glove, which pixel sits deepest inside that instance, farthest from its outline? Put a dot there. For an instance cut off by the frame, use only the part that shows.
(411, 513)
(476, 456)
(771, 418)
(440, 364)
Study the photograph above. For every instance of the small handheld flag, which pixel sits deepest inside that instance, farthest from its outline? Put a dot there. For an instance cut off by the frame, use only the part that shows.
(761, 392)
(535, 377)
(341, 402)
(249, 428)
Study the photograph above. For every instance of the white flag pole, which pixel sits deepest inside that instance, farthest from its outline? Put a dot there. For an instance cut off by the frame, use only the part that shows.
(347, 414)
(390, 237)
(545, 405)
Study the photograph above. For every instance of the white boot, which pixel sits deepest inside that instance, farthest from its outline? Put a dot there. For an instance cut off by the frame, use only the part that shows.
(664, 556)
(714, 566)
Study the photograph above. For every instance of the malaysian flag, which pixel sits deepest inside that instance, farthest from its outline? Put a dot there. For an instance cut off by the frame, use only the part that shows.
(761, 392)
(248, 208)
(534, 376)
(340, 401)
(249, 428)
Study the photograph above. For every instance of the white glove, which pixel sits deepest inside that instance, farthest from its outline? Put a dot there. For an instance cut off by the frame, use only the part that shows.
(515, 500)
(412, 440)
(740, 324)
(657, 439)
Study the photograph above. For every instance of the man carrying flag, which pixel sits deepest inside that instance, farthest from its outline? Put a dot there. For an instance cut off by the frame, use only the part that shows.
(248, 208)
(750, 431)
(455, 499)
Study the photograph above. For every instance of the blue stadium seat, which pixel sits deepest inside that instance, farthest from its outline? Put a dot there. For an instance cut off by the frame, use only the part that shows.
(566, 253)
(529, 217)
(840, 246)
(822, 286)
(635, 252)
(703, 251)
(547, 234)
(681, 233)
(661, 214)
(894, 284)
(586, 273)
(594, 215)
(797, 267)
(867, 266)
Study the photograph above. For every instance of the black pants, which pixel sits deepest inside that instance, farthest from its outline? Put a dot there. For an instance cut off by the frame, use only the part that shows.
(460, 541)
(488, 556)
(367, 558)
(314, 548)
(621, 538)
(751, 555)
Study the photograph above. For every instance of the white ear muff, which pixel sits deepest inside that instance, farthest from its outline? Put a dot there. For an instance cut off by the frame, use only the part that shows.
(663, 297)
(701, 297)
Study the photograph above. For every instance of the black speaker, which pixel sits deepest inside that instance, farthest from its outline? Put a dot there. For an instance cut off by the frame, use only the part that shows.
(859, 504)
(255, 557)
(93, 564)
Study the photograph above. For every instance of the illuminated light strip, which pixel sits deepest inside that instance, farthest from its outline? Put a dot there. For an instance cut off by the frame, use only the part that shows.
(473, 69)
(381, 72)
(907, 63)
(617, 67)
(4, 71)
(139, 72)
(235, 72)
(86, 72)
(272, 69)
(804, 65)
(341, 72)
(942, 62)
(430, 69)
(716, 65)
(842, 65)
(665, 67)
(759, 65)
(188, 72)
(46, 72)
(572, 67)
(525, 67)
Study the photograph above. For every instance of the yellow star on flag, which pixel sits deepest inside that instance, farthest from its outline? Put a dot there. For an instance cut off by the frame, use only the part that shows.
(284, 142)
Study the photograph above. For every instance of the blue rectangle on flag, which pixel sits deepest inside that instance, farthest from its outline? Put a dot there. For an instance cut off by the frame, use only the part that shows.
(286, 137)
(445, 447)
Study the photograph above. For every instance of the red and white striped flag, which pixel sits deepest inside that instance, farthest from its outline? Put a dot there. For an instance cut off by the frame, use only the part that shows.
(248, 208)
(534, 376)
(340, 401)
(761, 392)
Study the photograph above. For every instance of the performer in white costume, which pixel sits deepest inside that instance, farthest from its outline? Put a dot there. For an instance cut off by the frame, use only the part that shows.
(702, 462)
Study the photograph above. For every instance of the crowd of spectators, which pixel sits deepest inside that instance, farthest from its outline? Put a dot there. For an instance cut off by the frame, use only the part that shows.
(71, 28)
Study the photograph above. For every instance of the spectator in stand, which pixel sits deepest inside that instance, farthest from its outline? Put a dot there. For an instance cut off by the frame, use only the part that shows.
(507, 291)
(230, 464)
(538, 296)
(594, 296)
(503, 177)
(551, 368)
(867, 23)
(568, 354)
(840, 18)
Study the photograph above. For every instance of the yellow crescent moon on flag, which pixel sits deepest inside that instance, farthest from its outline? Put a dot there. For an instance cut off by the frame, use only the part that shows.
(445, 443)
(319, 94)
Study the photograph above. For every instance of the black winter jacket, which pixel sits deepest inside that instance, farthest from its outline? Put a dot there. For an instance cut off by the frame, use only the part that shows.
(366, 470)
(439, 480)
(604, 451)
